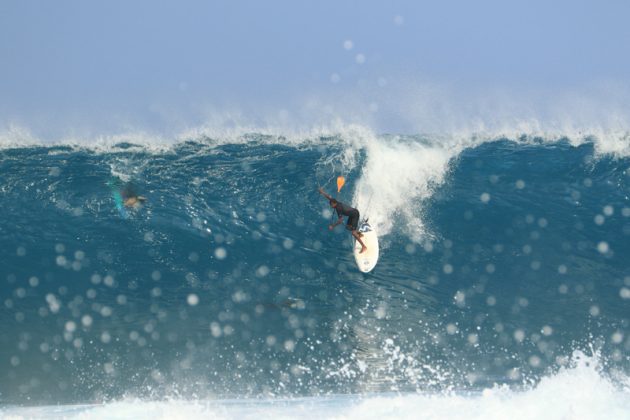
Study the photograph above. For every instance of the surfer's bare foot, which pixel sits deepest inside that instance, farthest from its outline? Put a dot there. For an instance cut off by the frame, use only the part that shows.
(362, 250)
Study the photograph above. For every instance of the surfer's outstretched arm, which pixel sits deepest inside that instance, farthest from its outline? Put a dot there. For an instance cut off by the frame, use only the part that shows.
(322, 192)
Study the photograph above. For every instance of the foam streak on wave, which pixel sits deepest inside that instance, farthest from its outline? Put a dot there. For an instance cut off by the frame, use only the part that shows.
(396, 175)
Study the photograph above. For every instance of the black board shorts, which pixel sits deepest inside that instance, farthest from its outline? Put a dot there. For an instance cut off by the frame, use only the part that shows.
(353, 220)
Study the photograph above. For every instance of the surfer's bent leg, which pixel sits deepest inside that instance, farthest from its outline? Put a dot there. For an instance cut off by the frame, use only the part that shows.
(357, 236)
(353, 223)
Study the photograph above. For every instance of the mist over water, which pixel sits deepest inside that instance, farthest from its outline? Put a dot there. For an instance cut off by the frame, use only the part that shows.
(502, 277)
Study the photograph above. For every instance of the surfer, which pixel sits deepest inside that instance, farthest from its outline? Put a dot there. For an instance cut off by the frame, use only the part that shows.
(125, 195)
(345, 210)
(130, 198)
(134, 201)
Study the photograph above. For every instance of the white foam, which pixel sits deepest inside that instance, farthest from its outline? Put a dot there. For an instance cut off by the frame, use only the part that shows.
(14, 137)
(609, 136)
(396, 176)
(580, 391)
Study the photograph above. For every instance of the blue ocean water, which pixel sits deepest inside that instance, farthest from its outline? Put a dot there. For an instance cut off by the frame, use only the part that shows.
(503, 269)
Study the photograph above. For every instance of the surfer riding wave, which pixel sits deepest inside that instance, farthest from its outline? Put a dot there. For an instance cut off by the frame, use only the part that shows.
(345, 210)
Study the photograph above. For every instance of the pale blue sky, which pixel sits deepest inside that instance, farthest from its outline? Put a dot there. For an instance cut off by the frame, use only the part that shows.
(164, 65)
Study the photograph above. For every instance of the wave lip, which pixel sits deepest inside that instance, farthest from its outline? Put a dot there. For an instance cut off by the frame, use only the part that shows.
(608, 138)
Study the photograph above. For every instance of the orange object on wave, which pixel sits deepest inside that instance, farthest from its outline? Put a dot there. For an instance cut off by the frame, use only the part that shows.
(340, 181)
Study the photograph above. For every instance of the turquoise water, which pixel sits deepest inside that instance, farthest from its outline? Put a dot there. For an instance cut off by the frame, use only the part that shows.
(499, 259)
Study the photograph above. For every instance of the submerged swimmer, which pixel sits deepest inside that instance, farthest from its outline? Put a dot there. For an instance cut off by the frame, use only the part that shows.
(125, 196)
(345, 210)
(134, 201)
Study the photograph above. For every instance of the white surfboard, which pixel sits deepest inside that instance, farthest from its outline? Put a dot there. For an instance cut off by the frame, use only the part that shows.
(367, 260)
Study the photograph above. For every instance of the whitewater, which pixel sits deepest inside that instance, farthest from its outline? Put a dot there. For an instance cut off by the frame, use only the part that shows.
(502, 290)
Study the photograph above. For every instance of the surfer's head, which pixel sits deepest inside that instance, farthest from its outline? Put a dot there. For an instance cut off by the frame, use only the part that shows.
(134, 201)
(333, 203)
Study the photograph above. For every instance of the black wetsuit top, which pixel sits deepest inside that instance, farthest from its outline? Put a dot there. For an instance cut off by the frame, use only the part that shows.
(351, 212)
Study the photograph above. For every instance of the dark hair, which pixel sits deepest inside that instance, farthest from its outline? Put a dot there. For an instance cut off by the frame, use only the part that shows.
(333, 201)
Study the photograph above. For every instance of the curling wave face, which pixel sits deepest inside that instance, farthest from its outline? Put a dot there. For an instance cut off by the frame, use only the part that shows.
(499, 258)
